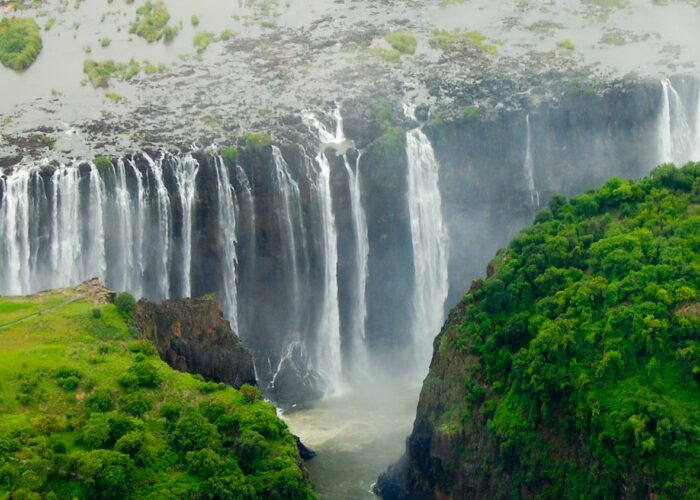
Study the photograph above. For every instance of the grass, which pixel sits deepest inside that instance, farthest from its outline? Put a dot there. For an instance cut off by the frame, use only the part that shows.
(152, 22)
(64, 373)
(404, 42)
(105, 42)
(20, 42)
(469, 42)
(389, 55)
(566, 44)
(99, 73)
(257, 141)
(202, 40)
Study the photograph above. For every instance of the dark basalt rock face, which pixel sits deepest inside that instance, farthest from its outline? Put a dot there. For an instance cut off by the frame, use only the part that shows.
(192, 336)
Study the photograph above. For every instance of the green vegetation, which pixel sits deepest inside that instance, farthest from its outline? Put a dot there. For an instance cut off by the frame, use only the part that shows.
(582, 350)
(566, 44)
(389, 55)
(202, 40)
(404, 42)
(257, 141)
(152, 22)
(391, 143)
(226, 35)
(195, 21)
(229, 155)
(20, 42)
(105, 41)
(470, 42)
(89, 411)
(99, 73)
(102, 164)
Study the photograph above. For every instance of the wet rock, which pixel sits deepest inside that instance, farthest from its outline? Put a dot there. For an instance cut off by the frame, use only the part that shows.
(296, 385)
(192, 336)
(304, 452)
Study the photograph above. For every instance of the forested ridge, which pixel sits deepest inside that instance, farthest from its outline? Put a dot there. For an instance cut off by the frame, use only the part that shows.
(577, 361)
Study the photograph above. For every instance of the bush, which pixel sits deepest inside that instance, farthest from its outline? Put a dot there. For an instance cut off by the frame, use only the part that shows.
(126, 304)
(96, 313)
(102, 164)
(140, 375)
(250, 449)
(70, 383)
(229, 155)
(401, 41)
(136, 404)
(107, 474)
(171, 410)
(204, 463)
(20, 42)
(257, 141)
(250, 393)
(101, 401)
(152, 22)
(96, 431)
(193, 432)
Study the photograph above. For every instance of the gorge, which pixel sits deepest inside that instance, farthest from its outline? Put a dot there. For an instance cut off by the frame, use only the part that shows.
(336, 174)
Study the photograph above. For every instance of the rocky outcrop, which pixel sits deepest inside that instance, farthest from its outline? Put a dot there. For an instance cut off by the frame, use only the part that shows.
(191, 335)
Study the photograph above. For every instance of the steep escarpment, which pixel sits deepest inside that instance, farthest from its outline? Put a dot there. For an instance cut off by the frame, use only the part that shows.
(572, 369)
(192, 336)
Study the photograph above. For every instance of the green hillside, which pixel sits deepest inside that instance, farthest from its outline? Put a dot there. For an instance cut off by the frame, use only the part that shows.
(573, 370)
(89, 411)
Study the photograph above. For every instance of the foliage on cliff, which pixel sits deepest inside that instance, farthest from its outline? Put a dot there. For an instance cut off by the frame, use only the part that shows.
(89, 411)
(583, 347)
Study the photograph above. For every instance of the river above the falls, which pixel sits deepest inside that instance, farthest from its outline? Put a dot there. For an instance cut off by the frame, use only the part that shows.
(356, 436)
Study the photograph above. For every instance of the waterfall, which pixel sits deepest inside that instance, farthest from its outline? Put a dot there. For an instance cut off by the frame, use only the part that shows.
(162, 224)
(66, 238)
(95, 261)
(675, 134)
(529, 168)
(328, 339)
(359, 226)
(430, 241)
(696, 150)
(14, 223)
(185, 171)
(227, 210)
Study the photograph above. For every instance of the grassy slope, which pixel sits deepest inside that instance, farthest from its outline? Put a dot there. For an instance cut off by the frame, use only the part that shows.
(43, 425)
(581, 353)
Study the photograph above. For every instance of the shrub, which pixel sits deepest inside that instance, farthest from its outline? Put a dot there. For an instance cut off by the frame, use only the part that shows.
(102, 164)
(250, 393)
(140, 375)
(229, 155)
(70, 383)
(144, 347)
(401, 41)
(171, 410)
(250, 448)
(107, 474)
(136, 404)
(126, 304)
(96, 430)
(193, 432)
(152, 22)
(96, 313)
(257, 141)
(20, 42)
(210, 387)
(100, 402)
(204, 463)
(202, 40)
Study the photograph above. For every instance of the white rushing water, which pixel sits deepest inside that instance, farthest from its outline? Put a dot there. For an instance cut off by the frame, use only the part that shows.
(529, 167)
(430, 243)
(328, 342)
(228, 222)
(289, 190)
(696, 150)
(162, 224)
(359, 226)
(95, 257)
(676, 139)
(185, 170)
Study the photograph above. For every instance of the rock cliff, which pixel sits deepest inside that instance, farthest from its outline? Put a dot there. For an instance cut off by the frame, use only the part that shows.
(192, 336)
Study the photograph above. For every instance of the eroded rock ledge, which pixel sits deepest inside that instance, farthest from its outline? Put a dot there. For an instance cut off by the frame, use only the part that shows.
(193, 336)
